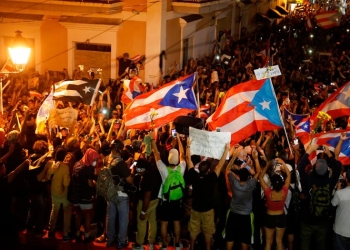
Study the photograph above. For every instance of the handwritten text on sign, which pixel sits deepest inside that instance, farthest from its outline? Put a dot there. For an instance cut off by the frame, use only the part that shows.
(267, 72)
(62, 117)
(209, 144)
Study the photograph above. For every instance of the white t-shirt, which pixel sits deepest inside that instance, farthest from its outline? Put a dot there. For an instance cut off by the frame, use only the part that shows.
(341, 199)
(164, 174)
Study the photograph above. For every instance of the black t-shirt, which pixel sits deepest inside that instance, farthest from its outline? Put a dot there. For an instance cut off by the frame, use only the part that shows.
(150, 181)
(123, 65)
(202, 190)
(120, 172)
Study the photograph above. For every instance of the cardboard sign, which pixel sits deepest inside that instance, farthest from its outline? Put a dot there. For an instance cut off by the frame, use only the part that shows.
(267, 72)
(207, 143)
(63, 117)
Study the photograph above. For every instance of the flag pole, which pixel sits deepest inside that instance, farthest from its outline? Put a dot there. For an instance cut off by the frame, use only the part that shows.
(279, 113)
(95, 92)
(198, 103)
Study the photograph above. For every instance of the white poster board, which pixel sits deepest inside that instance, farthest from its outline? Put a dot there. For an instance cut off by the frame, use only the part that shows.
(267, 72)
(62, 117)
(208, 143)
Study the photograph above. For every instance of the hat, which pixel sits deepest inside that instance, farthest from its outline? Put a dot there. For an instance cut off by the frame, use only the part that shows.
(321, 166)
(173, 157)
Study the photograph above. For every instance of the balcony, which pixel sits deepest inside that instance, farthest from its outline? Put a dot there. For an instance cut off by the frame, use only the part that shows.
(62, 7)
(199, 6)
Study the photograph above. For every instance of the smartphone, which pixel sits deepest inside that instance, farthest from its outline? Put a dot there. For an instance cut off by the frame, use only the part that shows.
(238, 162)
(296, 141)
(173, 133)
(320, 148)
(332, 83)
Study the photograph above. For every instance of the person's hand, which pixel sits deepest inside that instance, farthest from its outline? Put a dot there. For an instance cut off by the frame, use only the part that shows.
(189, 141)
(311, 148)
(142, 217)
(343, 136)
(326, 150)
(255, 154)
(227, 146)
(280, 161)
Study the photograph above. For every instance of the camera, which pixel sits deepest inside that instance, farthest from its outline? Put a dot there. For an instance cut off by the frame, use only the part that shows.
(320, 148)
(173, 133)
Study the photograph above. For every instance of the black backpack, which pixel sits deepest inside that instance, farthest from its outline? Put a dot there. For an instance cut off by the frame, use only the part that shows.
(294, 204)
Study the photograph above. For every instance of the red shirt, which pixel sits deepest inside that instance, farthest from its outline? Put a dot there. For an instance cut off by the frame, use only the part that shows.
(275, 205)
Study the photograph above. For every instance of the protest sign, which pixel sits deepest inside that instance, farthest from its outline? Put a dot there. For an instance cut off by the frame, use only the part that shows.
(267, 72)
(62, 117)
(209, 144)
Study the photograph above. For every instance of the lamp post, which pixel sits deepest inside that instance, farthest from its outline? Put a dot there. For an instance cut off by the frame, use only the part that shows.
(19, 53)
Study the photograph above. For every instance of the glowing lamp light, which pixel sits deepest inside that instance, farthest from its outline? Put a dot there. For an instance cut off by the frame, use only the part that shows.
(19, 51)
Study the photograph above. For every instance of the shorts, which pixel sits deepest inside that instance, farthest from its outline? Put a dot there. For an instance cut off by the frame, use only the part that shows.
(273, 221)
(239, 228)
(170, 211)
(83, 206)
(201, 222)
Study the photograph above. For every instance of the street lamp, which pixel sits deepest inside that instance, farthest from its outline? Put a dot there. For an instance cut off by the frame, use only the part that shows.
(19, 51)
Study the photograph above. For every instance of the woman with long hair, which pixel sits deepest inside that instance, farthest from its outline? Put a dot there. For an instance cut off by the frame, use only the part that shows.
(275, 220)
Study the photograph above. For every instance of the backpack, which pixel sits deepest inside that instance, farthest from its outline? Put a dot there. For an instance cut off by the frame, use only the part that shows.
(294, 204)
(174, 185)
(320, 201)
(105, 184)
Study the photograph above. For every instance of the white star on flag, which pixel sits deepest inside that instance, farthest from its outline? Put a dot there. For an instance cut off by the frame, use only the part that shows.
(86, 89)
(265, 105)
(181, 95)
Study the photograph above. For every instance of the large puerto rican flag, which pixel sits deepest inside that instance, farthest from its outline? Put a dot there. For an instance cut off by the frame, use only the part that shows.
(170, 101)
(331, 139)
(246, 108)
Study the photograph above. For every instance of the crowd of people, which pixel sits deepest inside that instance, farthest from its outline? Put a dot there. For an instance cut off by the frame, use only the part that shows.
(266, 196)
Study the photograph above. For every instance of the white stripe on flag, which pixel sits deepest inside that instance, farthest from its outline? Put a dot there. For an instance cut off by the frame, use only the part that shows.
(67, 93)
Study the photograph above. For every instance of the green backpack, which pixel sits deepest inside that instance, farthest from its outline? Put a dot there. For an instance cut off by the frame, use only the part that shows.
(320, 202)
(174, 185)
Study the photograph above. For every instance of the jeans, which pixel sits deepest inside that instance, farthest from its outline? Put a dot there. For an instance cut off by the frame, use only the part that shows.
(320, 230)
(142, 224)
(341, 242)
(118, 205)
(36, 211)
(67, 213)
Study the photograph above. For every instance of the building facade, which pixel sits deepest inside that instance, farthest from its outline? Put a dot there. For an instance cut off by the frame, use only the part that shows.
(67, 33)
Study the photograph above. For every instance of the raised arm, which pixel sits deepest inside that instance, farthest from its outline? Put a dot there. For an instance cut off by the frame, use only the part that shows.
(154, 146)
(181, 148)
(285, 169)
(11, 176)
(188, 154)
(255, 156)
(263, 184)
(222, 159)
(337, 149)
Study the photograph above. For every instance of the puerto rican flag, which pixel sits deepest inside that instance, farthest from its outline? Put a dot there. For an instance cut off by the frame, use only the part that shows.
(205, 111)
(303, 128)
(170, 101)
(246, 108)
(132, 88)
(337, 105)
(331, 139)
(328, 19)
(296, 118)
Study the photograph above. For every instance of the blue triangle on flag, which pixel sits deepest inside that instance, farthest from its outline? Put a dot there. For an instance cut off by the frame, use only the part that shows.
(266, 105)
(181, 95)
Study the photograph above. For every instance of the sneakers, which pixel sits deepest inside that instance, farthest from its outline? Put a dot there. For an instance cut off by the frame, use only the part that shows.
(178, 246)
(137, 247)
(122, 245)
(101, 239)
(66, 239)
(150, 246)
